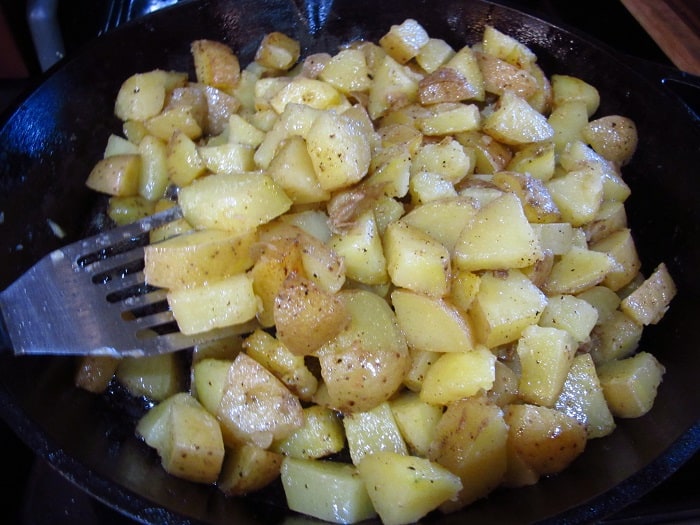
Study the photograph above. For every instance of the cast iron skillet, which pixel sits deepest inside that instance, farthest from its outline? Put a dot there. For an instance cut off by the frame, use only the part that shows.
(50, 140)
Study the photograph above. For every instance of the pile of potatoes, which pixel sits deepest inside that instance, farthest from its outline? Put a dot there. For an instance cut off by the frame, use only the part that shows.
(420, 257)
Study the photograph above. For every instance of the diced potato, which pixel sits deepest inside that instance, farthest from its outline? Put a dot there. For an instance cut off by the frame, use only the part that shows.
(361, 248)
(615, 338)
(555, 237)
(416, 261)
(544, 439)
(128, 209)
(403, 489)
(545, 355)
(648, 303)
(434, 53)
(278, 51)
(339, 150)
(515, 122)
(446, 158)
(431, 324)
(142, 95)
(186, 436)
(426, 186)
(227, 302)
(630, 384)
(568, 120)
(442, 219)
(196, 258)
(566, 88)
(154, 172)
(577, 270)
(466, 65)
(117, 145)
(248, 468)
(365, 364)
(321, 435)
(403, 41)
(621, 247)
(172, 119)
(506, 47)
(292, 169)
(470, 440)
(570, 313)
(499, 236)
(490, 155)
(307, 316)
(578, 195)
(230, 157)
(373, 431)
(94, 373)
(603, 299)
(417, 421)
(347, 71)
(505, 385)
(537, 202)
(183, 161)
(450, 117)
(421, 360)
(208, 381)
(156, 377)
(463, 289)
(504, 306)
(256, 407)
(310, 92)
(582, 398)
(537, 159)
(215, 64)
(117, 175)
(457, 375)
(286, 366)
(236, 203)
(393, 85)
(326, 490)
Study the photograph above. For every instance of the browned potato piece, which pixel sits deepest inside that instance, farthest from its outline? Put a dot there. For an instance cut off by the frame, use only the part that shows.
(444, 85)
(95, 372)
(501, 76)
(215, 64)
(306, 316)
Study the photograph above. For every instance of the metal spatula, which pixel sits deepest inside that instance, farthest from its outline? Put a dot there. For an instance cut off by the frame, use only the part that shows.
(90, 298)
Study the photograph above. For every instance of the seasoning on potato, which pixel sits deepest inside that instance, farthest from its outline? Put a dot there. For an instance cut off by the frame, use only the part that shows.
(425, 256)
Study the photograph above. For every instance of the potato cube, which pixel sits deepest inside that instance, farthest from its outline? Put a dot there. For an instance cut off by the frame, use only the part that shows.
(442, 219)
(431, 323)
(208, 381)
(615, 338)
(582, 398)
(326, 490)
(415, 260)
(543, 439)
(537, 159)
(434, 53)
(545, 356)
(256, 407)
(630, 384)
(196, 258)
(321, 435)
(621, 247)
(566, 88)
(499, 236)
(215, 64)
(118, 175)
(403, 489)
(567, 312)
(232, 202)
(278, 51)
(516, 122)
(450, 117)
(230, 157)
(361, 248)
(373, 431)
(347, 71)
(339, 150)
(183, 161)
(392, 84)
(470, 440)
(156, 377)
(648, 303)
(416, 420)
(446, 158)
(403, 41)
(186, 436)
(504, 306)
(248, 468)
(456, 375)
(613, 136)
(227, 302)
(577, 270)
(142, 95)
(506, 47)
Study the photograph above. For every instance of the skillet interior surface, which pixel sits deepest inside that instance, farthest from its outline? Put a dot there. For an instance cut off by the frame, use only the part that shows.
(51, 139)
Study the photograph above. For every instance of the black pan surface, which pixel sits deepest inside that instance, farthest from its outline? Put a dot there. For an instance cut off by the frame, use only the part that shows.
(50, 140)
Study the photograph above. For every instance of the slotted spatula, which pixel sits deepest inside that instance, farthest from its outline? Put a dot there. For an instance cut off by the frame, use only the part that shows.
(90, 297)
